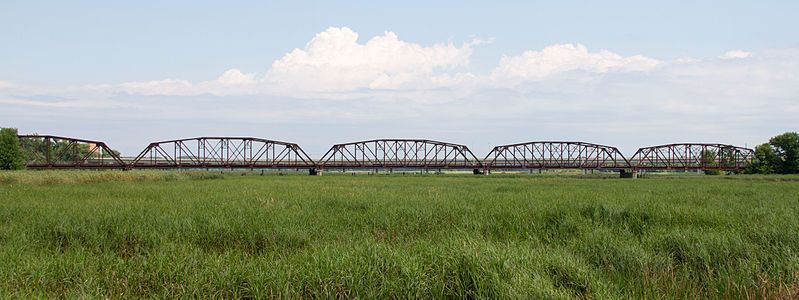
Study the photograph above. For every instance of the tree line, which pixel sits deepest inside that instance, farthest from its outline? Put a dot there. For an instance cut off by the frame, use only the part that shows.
(779, 156)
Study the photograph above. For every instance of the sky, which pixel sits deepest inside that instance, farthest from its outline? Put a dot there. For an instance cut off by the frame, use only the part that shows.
(622, 73)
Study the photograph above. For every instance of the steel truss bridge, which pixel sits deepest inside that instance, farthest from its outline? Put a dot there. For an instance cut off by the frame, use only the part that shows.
(54, 152)
(58, 152)
(222, 152)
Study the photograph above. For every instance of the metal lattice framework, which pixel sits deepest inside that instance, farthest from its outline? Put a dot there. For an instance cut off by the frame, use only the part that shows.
(223, 152)
(555, 155)
(399, 153)
(50, 152)
(54, 152)
(693, 156)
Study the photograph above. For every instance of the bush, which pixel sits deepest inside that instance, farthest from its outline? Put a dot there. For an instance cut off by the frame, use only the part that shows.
(11, 156)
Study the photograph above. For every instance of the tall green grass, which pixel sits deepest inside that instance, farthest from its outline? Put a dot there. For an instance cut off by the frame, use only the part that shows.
(432, 236)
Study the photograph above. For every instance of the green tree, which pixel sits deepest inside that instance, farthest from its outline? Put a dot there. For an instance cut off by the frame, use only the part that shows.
(779, 155)
(786, 148)
(11, 156)
(765, 159)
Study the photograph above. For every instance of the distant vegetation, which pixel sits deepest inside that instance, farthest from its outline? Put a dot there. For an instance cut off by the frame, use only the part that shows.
(413, 236)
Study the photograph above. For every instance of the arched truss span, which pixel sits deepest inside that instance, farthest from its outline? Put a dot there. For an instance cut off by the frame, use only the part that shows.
(693, 156)
(58, 152)
(555, 155)
(399, 153)
(223, 152)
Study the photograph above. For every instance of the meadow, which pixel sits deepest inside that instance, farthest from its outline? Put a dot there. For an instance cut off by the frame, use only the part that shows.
(242, 235)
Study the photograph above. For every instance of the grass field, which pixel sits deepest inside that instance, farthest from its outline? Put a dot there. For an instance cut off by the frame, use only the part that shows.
(137, 234)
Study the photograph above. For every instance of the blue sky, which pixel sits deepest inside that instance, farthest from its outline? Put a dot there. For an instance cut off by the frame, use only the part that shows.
(66, 67)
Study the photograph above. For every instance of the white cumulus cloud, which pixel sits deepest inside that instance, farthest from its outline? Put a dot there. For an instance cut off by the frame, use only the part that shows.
(236, 77)
(556, 59)
(334, 60)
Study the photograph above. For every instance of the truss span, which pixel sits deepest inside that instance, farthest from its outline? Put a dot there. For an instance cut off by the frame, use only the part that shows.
(693, 156)
(223, 152)
(555, 155)
(58, 152)
(399, 153)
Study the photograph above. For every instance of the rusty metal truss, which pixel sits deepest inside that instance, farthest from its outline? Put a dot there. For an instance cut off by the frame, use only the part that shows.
(52, 152)
(555, 155)
(399, 153)
(223, 152)
(58, 152)
(693, 156)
